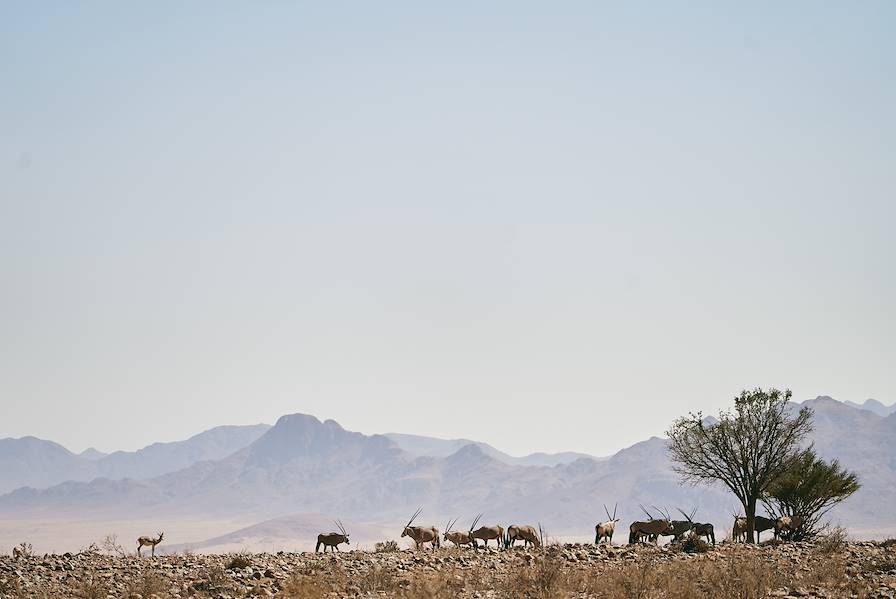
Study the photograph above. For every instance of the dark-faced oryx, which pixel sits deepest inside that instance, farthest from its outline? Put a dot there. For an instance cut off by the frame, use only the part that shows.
(604, 530)
(332, 539)
(700, 529)
(760, 524)
(519, 532)
(421, 534)
(785, 526)
(486, 533)
(458, 537)
(651, 529)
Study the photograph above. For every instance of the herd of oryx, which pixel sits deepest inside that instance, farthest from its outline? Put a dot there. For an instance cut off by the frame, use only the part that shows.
(639, 531)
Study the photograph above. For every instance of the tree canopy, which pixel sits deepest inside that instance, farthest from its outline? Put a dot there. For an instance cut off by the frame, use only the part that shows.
(747, 449)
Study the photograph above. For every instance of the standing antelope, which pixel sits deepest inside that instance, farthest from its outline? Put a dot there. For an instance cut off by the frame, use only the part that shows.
(788, 525)
(149, 541)
(652, 529)
(527, 534)
(605, 530)
(680, 527)
(760, 524)
(333, 539)
(700, 529)
(421, 534)
(486, 533)
(458, 537)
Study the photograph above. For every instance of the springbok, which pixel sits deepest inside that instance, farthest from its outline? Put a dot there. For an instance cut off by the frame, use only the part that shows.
(332, 539)
(421, 534)
(700, 529)
(149, 541)
(458, 537)
(788, 525)
(486, 533)
(652, 529)
(527, 534)
(605, 530)
(760, 524)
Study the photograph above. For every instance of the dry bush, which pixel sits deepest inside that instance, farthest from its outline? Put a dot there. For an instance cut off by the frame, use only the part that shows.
(111, 545)
(888, 543)
(377, 579)
(299, 586)
(239, 561)
(212, 580)
(542, 579)
(832, 540)
(91, 589)
(149, 583)
(692, 544)
(386, 547)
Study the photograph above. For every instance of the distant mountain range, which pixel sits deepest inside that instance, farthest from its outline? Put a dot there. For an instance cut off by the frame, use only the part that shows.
(872, 405)
(294, 477)
(33, 462)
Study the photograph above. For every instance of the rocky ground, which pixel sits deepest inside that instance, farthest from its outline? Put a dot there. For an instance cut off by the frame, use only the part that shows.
(859, 570)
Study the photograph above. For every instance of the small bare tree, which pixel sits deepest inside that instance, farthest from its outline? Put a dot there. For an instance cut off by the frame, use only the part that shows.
(747, 449)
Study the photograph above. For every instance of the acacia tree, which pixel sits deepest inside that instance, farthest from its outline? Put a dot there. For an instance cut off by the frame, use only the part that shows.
(809, 488)
(747, 449)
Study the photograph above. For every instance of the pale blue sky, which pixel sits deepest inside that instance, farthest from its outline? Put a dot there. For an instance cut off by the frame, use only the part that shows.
(548, 226)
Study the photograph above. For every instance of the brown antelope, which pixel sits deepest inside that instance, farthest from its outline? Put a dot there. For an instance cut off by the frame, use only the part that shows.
(652, 529)
(605, 530)
(149, 541)
(527, 534)
(680, 527)
(788, 525)
(700, 529)
(17, 553)
(486, 533)
(760, 524)
(458, 537)
(332, 539)
(421, 534)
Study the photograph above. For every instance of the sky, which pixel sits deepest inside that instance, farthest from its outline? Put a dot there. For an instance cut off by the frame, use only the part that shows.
(546, 226)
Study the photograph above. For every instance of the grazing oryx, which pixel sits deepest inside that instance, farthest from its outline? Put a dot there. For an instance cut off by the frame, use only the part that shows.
(149, 541)
(680, 527)
(458, 537)
(527, 534)
(760, 523)
(605, 530)
(651, 529)
(333, 539)
(700, 529)
(486, 533)
(787, 525)
(421, 534)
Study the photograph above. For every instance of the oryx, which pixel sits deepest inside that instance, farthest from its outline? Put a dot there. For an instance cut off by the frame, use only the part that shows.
(760, 524)
(527, 534)
(458, 537)
(332, 539)
(652, 529)
(605, 530)
(700, 529)
(486, 533)
(787, 525)
(421, 534)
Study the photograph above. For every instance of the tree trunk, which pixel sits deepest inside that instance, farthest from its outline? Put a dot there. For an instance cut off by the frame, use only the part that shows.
(750, 509)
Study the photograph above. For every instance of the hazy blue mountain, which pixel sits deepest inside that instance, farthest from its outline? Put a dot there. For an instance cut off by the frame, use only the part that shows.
(32, 462)
(875, 406)
(440, 448)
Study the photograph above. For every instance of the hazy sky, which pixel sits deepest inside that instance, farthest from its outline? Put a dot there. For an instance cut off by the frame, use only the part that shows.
(548, 226)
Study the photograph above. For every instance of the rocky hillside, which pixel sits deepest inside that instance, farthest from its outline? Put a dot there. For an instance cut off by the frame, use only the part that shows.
(787, 570)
